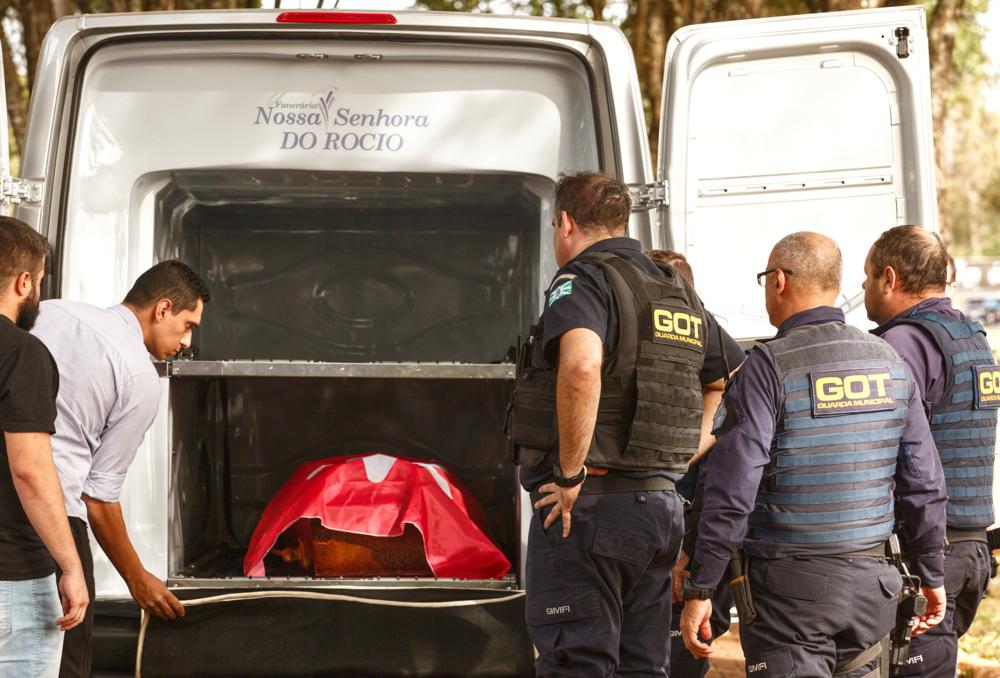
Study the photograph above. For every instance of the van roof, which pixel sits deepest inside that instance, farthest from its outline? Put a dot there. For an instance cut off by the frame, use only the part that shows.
(267, 18)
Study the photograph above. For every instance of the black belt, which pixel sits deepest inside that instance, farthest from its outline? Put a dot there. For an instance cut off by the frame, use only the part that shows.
(880, 551)
(612, 482)
(955, 536)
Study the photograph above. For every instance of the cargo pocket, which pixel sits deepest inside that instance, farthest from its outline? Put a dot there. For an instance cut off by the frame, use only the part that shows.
(563, 605)
(622, 545)
(925, 656)
(891, 583)
(561, 622)
(776, 663)
(795, 582)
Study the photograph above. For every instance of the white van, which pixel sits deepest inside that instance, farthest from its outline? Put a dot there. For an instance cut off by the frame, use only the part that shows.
(368, 196)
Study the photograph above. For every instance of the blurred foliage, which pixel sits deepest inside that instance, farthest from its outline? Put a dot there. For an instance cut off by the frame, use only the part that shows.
(983, 638)
(971, 144)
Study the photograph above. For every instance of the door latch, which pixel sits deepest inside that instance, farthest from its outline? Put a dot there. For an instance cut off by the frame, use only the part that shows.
(902, 42)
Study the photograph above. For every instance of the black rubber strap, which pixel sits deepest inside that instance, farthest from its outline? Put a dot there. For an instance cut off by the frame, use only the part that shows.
(866, 656)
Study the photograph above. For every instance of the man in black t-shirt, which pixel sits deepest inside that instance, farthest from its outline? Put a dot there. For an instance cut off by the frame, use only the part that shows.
(34, 529)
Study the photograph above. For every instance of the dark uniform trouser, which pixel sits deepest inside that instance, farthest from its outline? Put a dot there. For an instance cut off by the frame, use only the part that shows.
(817, 612)
(967, 569)
(598, 602)
(76, 654)
(683, 664)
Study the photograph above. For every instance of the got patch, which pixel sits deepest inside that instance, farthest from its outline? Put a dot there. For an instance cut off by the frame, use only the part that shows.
(850, 391)
(987, 386)
(678, 326)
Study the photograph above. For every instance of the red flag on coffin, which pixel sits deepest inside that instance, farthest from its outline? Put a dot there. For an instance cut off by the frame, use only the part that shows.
(379, 495)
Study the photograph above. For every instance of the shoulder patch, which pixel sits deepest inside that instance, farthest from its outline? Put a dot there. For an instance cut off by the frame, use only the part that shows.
(559, 291)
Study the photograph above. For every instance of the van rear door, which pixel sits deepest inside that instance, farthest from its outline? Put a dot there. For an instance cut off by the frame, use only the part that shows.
(817, 122)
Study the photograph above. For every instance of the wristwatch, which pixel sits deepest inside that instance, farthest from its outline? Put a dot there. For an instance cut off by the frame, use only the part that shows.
(562, 481)
(692, 592)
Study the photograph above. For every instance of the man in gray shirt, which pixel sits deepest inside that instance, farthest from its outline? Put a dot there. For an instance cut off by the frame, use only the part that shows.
(108, 397)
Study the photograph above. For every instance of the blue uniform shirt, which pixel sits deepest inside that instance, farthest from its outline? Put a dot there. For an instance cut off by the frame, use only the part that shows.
(734, 469)
(918, 350)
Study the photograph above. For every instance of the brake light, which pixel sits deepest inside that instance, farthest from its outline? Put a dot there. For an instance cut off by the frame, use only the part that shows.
(335, 18)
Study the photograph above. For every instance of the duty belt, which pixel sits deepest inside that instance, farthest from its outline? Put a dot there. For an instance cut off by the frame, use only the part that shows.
(614, 482)
(880, 551)
(955, 536)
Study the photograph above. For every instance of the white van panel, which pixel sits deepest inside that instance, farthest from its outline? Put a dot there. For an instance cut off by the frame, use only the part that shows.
(259, 105)
(150, 108)
(797, 123)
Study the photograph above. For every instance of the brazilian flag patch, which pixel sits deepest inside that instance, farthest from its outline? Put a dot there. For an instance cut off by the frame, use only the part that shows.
(563, 290)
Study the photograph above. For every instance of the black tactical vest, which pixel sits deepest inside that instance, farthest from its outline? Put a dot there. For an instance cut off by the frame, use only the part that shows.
(828, 486)
(964, 423)
(651, 405)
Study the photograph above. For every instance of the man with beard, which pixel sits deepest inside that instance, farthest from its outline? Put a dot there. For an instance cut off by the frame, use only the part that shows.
(906, 277)
(33, 525)
(109, 399)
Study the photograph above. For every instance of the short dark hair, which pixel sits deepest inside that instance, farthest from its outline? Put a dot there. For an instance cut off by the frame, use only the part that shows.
(919, 257)
(22, 249)
(674, 260)
(594, 200)
(173, 280)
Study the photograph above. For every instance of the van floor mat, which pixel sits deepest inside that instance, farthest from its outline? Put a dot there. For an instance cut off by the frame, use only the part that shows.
(301, 633)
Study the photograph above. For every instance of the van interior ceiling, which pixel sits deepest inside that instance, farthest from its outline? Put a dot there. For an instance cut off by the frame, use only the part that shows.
(343, 268)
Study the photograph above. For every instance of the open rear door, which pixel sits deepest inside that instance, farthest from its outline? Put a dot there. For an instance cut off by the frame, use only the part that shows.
(817, 122)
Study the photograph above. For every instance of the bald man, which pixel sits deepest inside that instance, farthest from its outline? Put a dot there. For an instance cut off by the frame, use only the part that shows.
(814, 431)
(906, 275)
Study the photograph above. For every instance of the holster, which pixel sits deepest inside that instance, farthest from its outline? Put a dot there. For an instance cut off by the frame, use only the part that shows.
(910, 606)
(993, 539)
(739, 580)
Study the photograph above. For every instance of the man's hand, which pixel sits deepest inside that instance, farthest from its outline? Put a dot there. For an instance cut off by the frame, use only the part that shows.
(561, 499)
(694, 618)
(679, 574)
(152, 595)
(937, 603)
(74, 597)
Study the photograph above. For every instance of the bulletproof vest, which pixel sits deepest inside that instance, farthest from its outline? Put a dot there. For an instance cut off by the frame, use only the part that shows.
(964, 423)
(828, 486)
(651, 404)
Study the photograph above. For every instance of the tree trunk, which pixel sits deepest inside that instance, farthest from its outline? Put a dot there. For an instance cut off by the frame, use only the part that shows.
(17, 98)
(597, 7)
(941, 33)
(662, 23)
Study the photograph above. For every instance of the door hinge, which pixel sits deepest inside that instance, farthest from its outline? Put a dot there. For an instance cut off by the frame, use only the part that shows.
(649, 196)
(15, 190)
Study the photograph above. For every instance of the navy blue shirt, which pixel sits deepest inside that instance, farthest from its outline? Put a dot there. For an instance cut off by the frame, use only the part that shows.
(918, 349)
(581, 297)
(734, 469)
